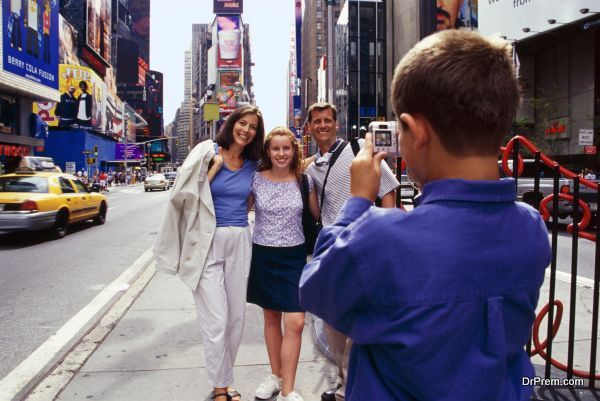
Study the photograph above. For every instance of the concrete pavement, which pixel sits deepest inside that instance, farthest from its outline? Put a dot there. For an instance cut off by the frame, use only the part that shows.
(154, 352)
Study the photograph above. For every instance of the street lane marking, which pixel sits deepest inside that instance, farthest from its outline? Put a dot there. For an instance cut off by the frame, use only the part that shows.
(24, 377)
(61, 376)
(566, 277)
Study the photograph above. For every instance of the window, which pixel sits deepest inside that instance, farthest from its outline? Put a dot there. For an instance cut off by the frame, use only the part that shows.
(8, 115)
(66, 186)
(24, 184)
(319, 3)
(319, 25)
(319, 14)
(80, 186)
(319, 37)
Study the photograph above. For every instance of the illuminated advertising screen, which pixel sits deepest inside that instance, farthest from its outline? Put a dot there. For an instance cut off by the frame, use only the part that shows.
(456, 14)
(67, 38)
(509, 18)
(228, 7)
(30, 41)
(225, 97)
(229, 37)
(82, 100)
(98, 20)
(139, 25)
(229, 78)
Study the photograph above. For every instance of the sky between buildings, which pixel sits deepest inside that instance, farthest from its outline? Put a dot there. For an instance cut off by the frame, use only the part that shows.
(270, 23)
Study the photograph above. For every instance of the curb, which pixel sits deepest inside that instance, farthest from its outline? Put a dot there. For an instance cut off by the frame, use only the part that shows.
(19, 382)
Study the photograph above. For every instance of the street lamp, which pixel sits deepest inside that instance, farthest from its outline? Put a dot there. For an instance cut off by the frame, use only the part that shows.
(587, 10)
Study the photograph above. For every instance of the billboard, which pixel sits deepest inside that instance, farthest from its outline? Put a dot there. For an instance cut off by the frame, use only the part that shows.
(228, 7)
(229, 37)
(229, 78)
(82, 101)
(226, 97)
(30, 41)
(98, 20)
(456, 14)
(67, 38)
(139, 25)
(509, 19)
(134, 152)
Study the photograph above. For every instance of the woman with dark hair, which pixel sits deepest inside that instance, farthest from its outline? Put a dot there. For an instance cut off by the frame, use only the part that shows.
(205, 238)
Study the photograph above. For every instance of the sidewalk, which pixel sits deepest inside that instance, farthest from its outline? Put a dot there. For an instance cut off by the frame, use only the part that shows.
(154, 352)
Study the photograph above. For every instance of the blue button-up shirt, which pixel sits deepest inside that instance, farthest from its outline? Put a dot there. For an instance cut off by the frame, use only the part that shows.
(439, 301)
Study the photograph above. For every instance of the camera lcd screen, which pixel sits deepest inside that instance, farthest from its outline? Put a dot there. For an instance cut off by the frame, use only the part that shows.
(383, 138)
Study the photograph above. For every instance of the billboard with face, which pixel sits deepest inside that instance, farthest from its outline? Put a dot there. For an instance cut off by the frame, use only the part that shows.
(229, 38)
(98, 20)
(67, 38)
(456, 14)
(229, 78)
(82, 101)
(30, 41)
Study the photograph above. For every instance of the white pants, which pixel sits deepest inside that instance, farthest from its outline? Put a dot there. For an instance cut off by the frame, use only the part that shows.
(221, 301)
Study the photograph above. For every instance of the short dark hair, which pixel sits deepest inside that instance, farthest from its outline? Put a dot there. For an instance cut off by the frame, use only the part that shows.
(224, 138)
(464, 84)
(83, 85)
(321, 106)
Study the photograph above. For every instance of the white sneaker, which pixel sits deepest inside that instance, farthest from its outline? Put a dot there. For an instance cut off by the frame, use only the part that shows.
(293, 396)
(270, 386)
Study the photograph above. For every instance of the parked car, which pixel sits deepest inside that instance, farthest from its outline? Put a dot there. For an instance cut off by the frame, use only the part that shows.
(171, 176)
(156, 181)
(43, 200)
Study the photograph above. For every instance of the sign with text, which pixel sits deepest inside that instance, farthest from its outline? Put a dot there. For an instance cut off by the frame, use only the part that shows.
(558, 129)
(229, 34)
(586, 137)
(228, 6)
(134, 152)
(30, 40)
(589, 150)
(509, 17)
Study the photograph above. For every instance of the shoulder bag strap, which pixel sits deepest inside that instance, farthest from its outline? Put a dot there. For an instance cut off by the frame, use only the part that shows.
(332, 160)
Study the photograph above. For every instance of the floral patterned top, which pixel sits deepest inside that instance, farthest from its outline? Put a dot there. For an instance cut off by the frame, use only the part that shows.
(278, 207)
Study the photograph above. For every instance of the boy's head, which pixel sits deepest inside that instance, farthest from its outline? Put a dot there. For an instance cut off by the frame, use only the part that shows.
(463, 85)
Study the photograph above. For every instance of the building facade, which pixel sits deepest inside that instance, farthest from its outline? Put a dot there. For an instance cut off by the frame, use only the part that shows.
(361, 68)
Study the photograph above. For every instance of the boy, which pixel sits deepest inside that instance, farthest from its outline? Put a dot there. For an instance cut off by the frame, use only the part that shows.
(439, 302)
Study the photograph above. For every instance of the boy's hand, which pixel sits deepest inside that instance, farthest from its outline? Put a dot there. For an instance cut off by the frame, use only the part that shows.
(365, 171)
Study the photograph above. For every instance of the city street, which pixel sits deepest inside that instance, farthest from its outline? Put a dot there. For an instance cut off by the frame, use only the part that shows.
(44, 282)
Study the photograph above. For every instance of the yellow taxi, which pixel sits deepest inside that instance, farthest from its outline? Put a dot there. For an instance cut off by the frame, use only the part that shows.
(47, 200)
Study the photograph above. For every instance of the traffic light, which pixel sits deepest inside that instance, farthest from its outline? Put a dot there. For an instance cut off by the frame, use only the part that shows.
(95, 148)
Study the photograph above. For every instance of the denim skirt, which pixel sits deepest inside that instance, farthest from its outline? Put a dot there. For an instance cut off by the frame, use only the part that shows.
(275, 276)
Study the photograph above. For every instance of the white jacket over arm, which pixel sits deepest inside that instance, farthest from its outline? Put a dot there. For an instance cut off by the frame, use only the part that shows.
(189, 224)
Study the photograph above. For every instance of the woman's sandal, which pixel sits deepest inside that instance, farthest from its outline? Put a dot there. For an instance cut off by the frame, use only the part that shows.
(214, 397)
(233, 394)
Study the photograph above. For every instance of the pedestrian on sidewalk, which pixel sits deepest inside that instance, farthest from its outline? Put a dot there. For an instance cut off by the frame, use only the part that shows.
(278, 257)
(442, 309)
(331, 170)
(205, 238)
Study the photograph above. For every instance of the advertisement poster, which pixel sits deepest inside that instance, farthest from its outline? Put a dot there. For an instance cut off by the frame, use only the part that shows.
(98, 27)
(508, 18)
(229, 36)
(30, 41)
(67, 38)
(228, 7)
(134, 152)
(229, 78)
(225, 97)
(82, 100)
(456, 14)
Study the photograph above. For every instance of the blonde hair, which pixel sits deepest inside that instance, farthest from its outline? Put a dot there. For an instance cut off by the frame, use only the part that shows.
(296, 164)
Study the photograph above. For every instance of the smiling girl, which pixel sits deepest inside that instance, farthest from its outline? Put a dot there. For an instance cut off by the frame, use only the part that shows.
(278, 257)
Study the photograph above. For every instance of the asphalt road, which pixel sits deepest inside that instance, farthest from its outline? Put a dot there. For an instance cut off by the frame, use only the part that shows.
(44, 282)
